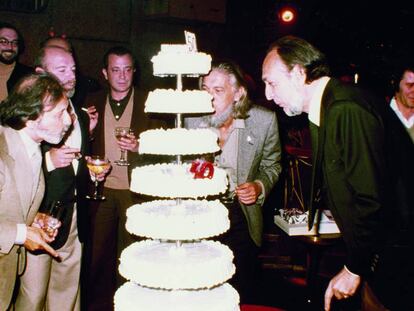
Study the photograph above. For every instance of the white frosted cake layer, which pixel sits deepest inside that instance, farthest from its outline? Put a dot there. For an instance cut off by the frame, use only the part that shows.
(134, 297)
(175, 101)
(178, 141)
(186, 220)
(156, 264)
(176, 181)
(180, 61)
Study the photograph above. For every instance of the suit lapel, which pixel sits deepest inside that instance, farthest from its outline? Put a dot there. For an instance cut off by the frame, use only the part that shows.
(22, 170)
(246, 152)
(318, 141)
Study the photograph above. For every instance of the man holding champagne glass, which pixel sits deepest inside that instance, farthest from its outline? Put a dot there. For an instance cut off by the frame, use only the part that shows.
(47, 283)
(122, 119)
(35, 111)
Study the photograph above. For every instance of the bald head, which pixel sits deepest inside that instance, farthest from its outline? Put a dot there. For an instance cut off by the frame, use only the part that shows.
(57, 42)
(60, 63)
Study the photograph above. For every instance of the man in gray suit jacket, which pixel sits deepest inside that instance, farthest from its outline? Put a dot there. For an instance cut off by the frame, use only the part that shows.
(250, 153)
(36, 111)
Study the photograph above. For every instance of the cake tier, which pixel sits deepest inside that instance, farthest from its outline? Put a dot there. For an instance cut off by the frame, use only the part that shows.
(134, 297)
(178, 141)
(176, 59)
(156, 264)
(174, 101)
(169, 220)
(176, 181)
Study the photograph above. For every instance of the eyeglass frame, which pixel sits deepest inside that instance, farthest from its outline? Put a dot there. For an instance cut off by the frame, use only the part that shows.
(6, 42)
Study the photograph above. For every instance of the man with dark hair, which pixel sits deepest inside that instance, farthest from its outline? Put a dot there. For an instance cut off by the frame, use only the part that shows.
(67, 177)
(35, 111)
(11, 45)
(403, 100)
(121, 106)
(362, 170)
(250, 154)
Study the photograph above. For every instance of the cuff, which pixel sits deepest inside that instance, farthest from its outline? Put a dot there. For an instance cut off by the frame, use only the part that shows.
(263, 194)
(49, 164)
(21, 234)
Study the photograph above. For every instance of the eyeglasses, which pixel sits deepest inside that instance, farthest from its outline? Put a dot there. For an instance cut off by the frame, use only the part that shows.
(5, 42)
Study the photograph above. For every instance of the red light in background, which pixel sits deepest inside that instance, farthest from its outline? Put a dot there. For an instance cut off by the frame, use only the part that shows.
(287, 15)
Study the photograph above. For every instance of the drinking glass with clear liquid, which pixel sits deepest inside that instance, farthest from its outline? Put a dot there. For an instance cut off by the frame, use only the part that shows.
(121, 132)
(97, 165)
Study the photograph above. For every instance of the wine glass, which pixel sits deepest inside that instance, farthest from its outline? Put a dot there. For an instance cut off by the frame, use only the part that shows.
(53, 216)
(119, 133)
(97, 164)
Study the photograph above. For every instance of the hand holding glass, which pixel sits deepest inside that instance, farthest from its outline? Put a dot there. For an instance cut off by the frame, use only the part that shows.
(122, 132)
(53, 216)
(97, 165)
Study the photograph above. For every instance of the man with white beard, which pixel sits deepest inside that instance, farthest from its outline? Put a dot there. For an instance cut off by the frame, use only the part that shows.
(250, 153)
(47, 283)
(11, 71)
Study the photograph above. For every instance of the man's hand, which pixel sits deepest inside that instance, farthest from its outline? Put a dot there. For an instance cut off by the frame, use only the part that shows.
(342, 286)
(248, 192)
(93, 117)
(101, 176)
(63, 156)
(128, 143)
(36, 239)
(41, 221)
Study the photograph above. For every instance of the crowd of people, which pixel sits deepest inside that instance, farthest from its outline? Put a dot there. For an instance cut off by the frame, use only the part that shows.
(362, 154)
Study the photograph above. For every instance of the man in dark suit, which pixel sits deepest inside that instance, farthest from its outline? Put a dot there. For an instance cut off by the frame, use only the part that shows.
(48, 283)
(121, 105)
(358, 151)
(11, 71)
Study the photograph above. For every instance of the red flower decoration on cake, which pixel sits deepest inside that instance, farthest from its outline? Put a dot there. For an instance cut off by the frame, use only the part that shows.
(202, 169)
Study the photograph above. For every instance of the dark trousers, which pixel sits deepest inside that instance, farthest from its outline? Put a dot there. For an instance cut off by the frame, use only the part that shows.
(107, 238)
(245, 251)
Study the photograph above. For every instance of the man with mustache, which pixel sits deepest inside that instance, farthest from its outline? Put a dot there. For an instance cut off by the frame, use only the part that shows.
(250, 154)
(403, 101)
(10, 69)
(35, 111)
(47, 283)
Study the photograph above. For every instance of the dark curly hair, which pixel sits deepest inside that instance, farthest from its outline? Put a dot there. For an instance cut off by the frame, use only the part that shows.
(33, 95)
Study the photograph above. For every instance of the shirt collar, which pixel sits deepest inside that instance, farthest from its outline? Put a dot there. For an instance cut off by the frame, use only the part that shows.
(316, 100)
(30, 145)
(408, 123)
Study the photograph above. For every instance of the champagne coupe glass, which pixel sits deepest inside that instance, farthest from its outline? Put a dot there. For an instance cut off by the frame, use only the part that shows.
(97, 164)
(54, 213)
(119, 133)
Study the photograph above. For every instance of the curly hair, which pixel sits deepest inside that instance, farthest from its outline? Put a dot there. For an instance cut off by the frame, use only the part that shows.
(33, 95)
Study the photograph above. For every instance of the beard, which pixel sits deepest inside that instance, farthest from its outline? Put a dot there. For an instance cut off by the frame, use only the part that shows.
(69, 88)
(218, 120)
(53, 137)
(10, 59)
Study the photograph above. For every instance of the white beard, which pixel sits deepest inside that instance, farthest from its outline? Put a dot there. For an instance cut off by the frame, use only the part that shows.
(218, 120)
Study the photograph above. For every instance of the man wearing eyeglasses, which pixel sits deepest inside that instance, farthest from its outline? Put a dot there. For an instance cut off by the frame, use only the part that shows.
(10, 70)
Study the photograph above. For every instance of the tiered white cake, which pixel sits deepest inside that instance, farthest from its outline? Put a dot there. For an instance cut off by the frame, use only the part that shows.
(175, 269)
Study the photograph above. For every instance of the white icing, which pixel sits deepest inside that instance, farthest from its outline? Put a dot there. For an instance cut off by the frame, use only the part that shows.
(175, 101)
(178, 141)
(134, 297)
(195, 265)
(173, 62)
(190, 220)
(176, 181)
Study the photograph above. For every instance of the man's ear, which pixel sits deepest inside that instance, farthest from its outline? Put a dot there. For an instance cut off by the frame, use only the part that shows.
(239, 93)
(298, 73)
(39, 70)
(105, 73)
